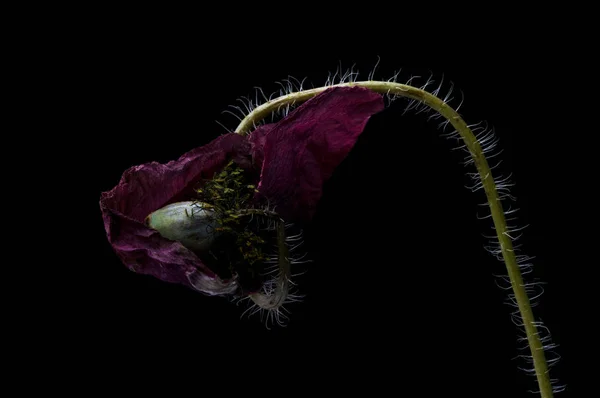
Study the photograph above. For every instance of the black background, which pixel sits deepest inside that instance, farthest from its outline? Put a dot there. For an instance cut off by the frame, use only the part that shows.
(400, 297)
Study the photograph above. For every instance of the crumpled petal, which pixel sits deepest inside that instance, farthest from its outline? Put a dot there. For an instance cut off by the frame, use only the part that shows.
(296, 156)
(257, 139)
(148, 187)
(302, 150)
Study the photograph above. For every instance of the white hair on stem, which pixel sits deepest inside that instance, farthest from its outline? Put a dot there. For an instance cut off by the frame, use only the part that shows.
(278, 288)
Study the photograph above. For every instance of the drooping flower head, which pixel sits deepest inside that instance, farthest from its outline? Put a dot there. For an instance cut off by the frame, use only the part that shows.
(285, 163)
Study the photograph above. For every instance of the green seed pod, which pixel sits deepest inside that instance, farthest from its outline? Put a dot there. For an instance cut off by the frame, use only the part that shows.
(187, 222)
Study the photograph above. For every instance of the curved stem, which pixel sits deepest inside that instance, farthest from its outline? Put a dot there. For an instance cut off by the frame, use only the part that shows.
(278, 296)
(508, 254)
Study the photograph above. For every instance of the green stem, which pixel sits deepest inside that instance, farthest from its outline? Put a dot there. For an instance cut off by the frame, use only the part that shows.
(437, 104)
(282, 283)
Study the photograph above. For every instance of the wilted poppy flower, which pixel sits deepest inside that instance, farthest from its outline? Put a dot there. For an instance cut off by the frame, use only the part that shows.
(286, 163)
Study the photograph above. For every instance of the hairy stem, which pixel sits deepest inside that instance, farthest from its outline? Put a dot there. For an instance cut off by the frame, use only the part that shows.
(277, 297)
(280, 292)
(508, 254)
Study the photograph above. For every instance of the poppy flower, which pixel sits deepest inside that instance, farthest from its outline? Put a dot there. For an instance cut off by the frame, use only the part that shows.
(287, 163)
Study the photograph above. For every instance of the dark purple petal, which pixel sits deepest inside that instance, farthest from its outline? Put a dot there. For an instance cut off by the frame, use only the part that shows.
(148, 187)
(302, 150)
(257, 139)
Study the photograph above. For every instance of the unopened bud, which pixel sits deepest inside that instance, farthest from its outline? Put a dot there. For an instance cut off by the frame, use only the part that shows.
(187, 222)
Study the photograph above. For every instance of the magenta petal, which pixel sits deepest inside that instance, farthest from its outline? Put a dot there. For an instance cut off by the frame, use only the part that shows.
(148, 187)
(302, 150)
(257, 139)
